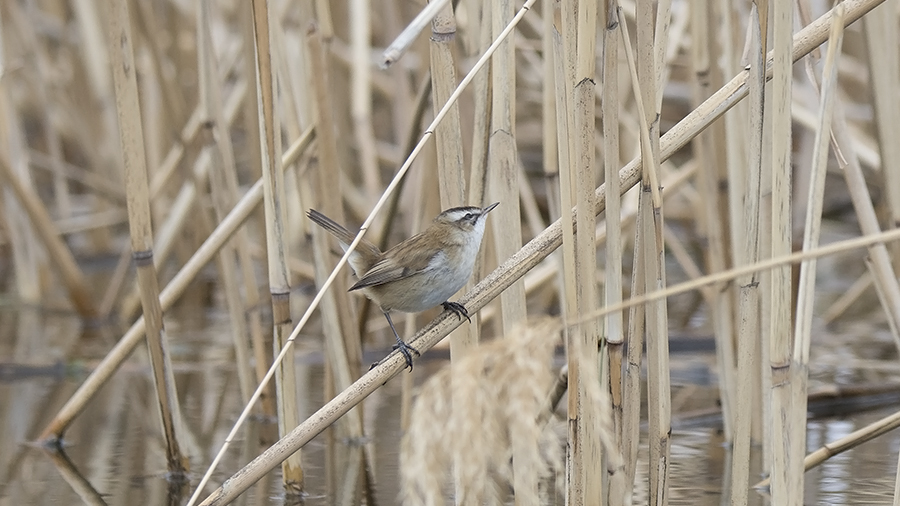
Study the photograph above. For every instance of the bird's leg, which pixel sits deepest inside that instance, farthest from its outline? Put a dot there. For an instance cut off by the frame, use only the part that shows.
(457, 309)
(404, 348)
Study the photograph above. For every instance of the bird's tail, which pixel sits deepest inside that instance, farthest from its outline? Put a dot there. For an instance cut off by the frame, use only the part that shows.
(367, 253)
(333, 227)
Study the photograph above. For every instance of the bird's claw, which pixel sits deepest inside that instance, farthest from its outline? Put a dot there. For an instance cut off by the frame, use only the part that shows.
(457, 309)
(405, 350)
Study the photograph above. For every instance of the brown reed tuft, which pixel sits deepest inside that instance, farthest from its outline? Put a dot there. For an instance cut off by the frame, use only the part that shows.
(504, 384)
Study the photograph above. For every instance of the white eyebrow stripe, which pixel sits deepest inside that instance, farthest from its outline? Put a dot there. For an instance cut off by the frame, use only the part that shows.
(456, 215)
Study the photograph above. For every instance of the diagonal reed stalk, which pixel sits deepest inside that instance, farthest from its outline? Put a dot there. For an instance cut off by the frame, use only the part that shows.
(848, 442)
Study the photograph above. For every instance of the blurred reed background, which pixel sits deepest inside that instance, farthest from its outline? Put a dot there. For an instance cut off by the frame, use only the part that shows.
(158, 158)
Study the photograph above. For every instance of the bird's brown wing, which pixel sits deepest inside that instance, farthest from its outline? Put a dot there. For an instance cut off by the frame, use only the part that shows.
(388, 269)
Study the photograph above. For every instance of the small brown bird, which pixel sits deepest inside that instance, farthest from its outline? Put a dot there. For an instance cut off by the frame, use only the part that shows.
(420, 272)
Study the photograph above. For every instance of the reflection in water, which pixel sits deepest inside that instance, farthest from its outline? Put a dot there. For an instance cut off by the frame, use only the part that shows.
(114, 452)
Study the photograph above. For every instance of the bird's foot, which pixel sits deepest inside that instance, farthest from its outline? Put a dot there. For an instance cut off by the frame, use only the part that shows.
(405, 349)
(457, 309)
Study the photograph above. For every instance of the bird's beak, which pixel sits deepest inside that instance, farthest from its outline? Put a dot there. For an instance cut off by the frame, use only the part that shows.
(488, 208)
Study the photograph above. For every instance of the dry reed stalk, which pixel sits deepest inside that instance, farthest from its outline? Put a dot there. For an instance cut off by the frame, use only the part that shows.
(619, 490)
(848, 442)
(448, 136)
(587, 458)
(534, 222)
(730, 153)
(847, 298)
(792, 473)
(884, 69)
(502, 159)
(761, 376)
(651, 256)
(179, 149)
(531, 254)
(276, 248)
(615, 325)
(734, 151)
(361, 96)
(676, 247)
(403, 107)
(90, 31)
(98, 185)
(661, 47)
(174, 107)
(549, 142)
(451, 181)
(748, 286)
(504, 384)
(138, 200)
(405, 39)
(478, 173)
(250, 110)
(785, 489)
(293, 79)
(761, 266)
(632, 375)
(564, 52)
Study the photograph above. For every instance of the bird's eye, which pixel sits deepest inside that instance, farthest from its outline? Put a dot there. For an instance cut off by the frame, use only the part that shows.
(468, 216)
